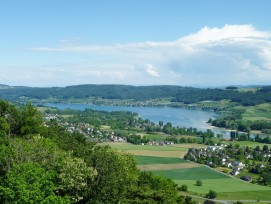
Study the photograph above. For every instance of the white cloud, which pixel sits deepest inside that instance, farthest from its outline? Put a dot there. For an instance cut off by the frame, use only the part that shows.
(151, 71)
(228, 32)
(233, 54)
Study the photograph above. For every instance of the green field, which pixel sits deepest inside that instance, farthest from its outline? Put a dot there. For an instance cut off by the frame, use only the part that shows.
(258, 112)
(144, 160)
(128, 146)
(247, 143)
(247, 195)
(156, 137)
(198, 173)
(180, 171)
(226, 186)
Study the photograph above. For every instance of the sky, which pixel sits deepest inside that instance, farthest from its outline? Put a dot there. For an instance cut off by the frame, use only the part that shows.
(201, 43)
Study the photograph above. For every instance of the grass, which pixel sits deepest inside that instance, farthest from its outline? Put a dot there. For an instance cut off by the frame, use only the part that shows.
(143, 160)
(167, 161)
(247, 143)
(163, 167)
(156, 137)
(198, 173)
(246, 195)
(128, 146)
(258, 112)
(176, 154)
(190, 145)
(227, 185)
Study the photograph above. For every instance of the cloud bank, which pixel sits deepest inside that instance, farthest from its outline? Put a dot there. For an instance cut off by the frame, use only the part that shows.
(233, 54)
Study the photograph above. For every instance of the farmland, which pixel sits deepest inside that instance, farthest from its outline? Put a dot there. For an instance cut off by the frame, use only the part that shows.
(162, 162)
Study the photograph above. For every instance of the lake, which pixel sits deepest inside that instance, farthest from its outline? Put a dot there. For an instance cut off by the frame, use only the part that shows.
(177, 116)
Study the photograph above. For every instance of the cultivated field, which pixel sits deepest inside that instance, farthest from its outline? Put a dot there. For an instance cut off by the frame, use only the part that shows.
(166, 161)
(145, 160)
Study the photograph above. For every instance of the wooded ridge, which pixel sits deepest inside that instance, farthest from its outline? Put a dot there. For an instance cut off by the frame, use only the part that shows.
(185, 95)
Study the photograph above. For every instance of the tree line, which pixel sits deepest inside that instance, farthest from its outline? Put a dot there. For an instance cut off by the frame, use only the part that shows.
(186, 95)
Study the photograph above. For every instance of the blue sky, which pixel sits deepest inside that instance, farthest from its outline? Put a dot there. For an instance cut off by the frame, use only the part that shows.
(137, 42)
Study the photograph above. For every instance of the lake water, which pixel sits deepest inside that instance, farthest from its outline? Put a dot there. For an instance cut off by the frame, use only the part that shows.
(177, 116)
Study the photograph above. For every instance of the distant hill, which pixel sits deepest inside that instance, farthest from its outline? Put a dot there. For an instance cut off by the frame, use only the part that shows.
(176, 93)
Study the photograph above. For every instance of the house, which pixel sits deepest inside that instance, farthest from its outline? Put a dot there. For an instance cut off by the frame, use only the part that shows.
(248, 156)
(229, 164)
(238, 164)
(246, 178)
(169, 142)
(235, 171)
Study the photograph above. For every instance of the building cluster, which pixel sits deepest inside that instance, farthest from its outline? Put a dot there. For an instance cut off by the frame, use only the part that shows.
(234, 158)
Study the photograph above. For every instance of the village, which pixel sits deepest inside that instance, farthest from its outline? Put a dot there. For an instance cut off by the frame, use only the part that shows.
(235, 160)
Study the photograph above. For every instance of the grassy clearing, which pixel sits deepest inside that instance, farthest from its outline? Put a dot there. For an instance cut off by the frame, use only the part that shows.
(155, 137)
(247, 143)
(258, 112)
(143, 160)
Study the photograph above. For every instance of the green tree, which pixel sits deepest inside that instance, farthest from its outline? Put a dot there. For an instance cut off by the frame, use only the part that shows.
(211, 195)
(29, 183)
(31, 120)
(11, 116)
(198, 183)
(74, 178)
(265, 179)
(153, 189)
(183, 188)
(116, 173)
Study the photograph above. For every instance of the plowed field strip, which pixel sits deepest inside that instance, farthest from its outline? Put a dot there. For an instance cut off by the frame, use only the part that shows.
(177, 154)
(153, 167)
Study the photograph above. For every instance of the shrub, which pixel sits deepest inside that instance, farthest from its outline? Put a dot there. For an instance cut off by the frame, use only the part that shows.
(198, 183)
(183, 188)
(211, 195)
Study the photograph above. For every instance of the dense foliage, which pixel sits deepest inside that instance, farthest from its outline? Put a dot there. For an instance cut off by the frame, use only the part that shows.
(43, 163)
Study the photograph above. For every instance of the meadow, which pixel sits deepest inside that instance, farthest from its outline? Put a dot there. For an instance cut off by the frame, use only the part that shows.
(258, 112)
(247, 143)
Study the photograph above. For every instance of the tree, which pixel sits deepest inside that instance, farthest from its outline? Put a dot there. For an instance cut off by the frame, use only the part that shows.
(265, 179)
(74, 178)
(29, 183)
(198, 183)
(153, 189)
(11, 115)
(265, 148)
(211, 195)
(183, 188)
(31, 120)
(116, 173)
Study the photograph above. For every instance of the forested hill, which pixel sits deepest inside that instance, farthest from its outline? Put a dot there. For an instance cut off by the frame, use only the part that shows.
(176, 93)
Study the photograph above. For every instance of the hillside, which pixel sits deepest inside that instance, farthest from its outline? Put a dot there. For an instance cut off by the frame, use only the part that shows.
(181, 94)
